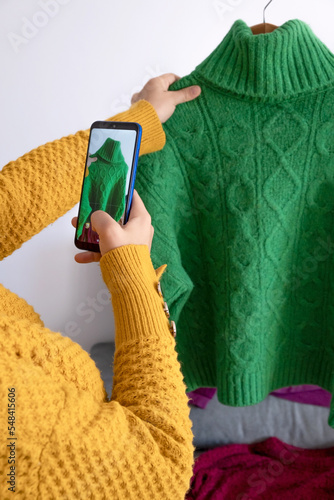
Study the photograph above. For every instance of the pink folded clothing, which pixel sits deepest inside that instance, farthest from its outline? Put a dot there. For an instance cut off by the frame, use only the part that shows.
(270, 470)
(307, 394)
(201, 396)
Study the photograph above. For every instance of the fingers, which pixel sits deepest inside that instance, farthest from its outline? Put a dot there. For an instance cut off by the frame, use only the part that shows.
(102, 222)
(135, 98)
(186, 94)
(87, 257)
(138, 208)
(167, 79)
(162, 82)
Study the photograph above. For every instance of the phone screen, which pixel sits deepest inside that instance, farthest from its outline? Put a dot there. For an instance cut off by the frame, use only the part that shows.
(108, 178)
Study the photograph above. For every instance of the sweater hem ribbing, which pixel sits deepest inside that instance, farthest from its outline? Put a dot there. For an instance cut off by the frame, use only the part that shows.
(252, 388)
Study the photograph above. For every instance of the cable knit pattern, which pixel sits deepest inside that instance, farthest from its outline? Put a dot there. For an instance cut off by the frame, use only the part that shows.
(245, 219)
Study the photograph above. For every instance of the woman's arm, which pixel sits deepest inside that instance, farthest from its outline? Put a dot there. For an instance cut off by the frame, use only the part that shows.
(148, 389)
(45, 183)
(72, 442)
(148, 385)
(143, 435)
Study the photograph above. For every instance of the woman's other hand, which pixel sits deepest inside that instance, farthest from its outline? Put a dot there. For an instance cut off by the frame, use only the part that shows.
(163, 100)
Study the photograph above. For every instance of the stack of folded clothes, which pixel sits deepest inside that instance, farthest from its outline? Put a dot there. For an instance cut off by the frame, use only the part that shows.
(269, 470)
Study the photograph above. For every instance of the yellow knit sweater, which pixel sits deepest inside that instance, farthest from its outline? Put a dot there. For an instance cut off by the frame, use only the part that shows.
(64, 439)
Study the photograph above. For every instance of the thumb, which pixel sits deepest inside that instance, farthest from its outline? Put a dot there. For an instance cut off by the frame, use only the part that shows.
(138, 208)
(186, 94)
(135, 98)
(102, 222)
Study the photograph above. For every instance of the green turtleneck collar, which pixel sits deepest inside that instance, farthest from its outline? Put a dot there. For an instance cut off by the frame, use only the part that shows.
(109, 151)
(288, 61)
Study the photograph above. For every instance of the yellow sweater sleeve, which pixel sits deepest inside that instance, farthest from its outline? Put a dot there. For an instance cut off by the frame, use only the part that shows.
(45, 183)
(71, 441)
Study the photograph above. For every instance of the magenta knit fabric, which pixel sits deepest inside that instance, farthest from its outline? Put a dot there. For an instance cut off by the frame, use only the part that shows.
(307, 394)
(270, 470)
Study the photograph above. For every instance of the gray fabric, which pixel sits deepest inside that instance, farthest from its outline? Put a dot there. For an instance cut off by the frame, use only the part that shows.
(103, 355)
(297, 424)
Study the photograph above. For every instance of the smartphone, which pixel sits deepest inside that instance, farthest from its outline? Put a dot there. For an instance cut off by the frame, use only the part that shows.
(109, 176)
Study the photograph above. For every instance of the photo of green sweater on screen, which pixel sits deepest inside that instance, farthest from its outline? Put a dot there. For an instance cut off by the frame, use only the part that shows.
(104, 185)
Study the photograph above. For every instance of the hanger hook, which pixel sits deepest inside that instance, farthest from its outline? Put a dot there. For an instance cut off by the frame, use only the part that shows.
(265, 10)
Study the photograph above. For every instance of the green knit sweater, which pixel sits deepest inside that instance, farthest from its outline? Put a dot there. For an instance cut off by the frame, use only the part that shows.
(242, 202)
(104, 186)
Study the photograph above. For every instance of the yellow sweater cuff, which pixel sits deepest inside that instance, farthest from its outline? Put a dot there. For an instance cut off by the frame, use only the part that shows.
(138, 307)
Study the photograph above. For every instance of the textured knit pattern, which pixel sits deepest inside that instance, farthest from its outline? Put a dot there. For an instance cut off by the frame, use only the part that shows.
(72, 442)
(244, 215)
(270, 470)
(45, 183)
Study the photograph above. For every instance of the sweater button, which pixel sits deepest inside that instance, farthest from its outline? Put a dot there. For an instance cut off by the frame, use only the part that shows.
(172, 328)
(159, 288)
(166, 309)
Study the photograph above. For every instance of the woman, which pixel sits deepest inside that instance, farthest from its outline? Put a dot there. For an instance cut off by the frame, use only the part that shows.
(63, 438)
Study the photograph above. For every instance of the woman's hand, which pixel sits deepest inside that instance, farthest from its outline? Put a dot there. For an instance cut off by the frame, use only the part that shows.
(137, 231)
(163, 100)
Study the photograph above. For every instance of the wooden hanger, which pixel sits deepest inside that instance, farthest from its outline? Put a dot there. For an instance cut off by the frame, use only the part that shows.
(263, 27)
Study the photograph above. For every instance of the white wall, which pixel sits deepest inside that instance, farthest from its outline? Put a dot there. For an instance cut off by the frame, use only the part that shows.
(82, 63)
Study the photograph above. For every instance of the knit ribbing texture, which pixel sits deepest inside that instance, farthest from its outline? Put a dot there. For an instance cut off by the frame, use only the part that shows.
(242, 202)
